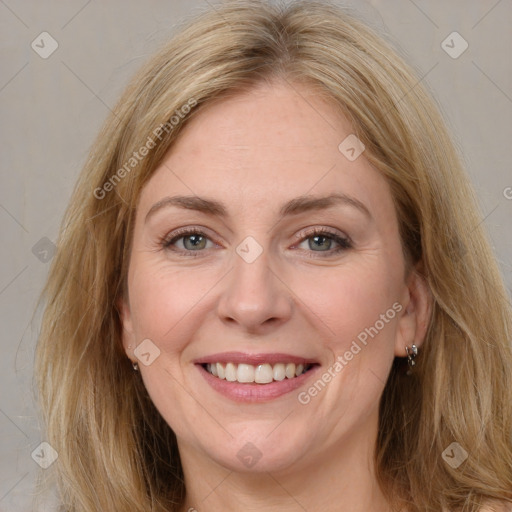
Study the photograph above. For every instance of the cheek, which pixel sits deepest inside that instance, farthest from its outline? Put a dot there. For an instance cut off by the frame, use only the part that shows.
(354, 308)
(165, 304)
(163, 300)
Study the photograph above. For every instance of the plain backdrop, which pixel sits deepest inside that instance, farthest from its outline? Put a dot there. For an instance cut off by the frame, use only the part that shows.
(52, 108)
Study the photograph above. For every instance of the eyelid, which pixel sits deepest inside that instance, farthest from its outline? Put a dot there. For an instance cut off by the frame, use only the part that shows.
(305, 232)
(178, 233)
(344, 241)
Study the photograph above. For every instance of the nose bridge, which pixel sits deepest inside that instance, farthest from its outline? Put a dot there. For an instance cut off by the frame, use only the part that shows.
(253, 293)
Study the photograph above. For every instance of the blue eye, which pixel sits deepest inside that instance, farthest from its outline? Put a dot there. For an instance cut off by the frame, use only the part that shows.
(194, 241)
(324, 239)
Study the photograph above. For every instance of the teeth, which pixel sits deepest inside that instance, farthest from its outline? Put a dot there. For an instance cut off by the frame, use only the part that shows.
(261, 374)
(279, 371)
(231, 372)
(245, 373)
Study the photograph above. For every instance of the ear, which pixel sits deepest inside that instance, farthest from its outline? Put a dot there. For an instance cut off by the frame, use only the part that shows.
(128, 336)
(415, 314)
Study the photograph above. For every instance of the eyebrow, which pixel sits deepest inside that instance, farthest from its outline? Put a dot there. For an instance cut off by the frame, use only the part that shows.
(295, 206)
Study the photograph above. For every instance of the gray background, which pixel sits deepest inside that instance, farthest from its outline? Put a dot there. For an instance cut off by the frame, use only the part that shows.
(51, 109)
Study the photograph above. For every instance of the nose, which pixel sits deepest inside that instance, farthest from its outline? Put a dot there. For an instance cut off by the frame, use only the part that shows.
(255, 297)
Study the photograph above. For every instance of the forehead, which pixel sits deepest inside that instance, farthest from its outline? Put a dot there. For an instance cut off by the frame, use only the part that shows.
(268, 121)
(266, 145)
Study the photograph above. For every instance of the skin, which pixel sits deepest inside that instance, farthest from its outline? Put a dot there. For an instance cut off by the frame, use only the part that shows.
(254, 151)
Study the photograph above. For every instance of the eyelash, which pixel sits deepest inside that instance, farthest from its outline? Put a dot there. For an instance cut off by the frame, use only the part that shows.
(344, 243)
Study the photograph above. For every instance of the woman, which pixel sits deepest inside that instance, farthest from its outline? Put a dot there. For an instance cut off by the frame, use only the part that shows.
(272, 288)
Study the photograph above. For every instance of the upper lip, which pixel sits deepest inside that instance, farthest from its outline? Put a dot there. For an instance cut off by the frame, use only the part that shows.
(254, 359)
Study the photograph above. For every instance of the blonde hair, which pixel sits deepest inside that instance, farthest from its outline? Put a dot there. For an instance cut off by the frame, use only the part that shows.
(116, 452)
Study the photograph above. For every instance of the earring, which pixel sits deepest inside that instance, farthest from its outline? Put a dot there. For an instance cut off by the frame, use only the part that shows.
(411, 356)
(135, 366)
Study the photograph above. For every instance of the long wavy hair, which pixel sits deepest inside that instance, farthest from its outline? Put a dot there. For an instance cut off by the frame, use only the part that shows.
(116, 453)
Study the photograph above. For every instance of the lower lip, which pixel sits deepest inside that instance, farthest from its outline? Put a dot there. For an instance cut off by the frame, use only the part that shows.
(252, 392)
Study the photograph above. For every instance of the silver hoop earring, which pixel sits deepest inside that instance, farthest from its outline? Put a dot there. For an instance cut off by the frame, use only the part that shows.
(411, 356)
(135, 366)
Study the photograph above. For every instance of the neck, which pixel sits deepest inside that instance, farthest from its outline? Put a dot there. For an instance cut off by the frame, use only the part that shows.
(340, 478)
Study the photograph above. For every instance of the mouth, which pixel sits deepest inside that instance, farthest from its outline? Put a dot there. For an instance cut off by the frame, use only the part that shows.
(260, 374)
(255, 377)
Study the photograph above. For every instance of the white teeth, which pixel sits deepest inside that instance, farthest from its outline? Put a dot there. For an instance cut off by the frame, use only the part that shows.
(245, 373)
(231, 372)
(261, 374)
(279, 371)
(290, 370)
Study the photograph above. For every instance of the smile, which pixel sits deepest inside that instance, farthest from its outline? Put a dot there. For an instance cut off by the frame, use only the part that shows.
(260, 374)
(244, 377)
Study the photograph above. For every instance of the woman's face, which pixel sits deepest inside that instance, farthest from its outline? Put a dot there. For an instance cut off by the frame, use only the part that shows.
(291, 262)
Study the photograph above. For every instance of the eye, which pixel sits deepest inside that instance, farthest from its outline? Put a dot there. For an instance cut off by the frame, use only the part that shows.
(323, 239)
(190, 239)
